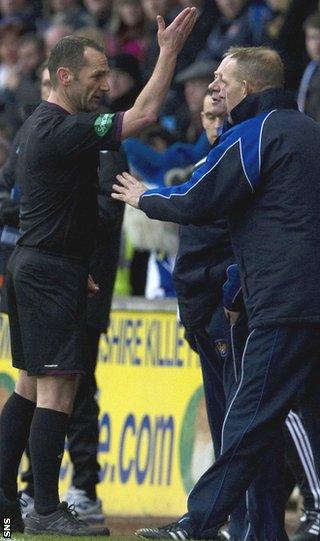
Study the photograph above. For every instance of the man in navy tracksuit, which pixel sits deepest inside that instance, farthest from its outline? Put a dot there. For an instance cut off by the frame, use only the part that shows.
(204, 261)
(264, 176)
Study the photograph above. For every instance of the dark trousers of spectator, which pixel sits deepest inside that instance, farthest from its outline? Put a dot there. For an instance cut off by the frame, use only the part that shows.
(83, 432)
(279, 365)
(295, 475)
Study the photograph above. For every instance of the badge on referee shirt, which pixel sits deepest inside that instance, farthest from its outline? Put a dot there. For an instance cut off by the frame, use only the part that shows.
(103, 124)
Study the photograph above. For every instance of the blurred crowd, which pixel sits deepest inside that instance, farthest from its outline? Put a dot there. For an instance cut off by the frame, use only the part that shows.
(30, 28)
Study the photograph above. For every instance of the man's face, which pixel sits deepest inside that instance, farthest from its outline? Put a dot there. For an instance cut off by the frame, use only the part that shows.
(190, 3)
(218, 101)
(209, 119)
(152, 8)
(45, 84)
(54, 34)
(313, 43)
(7, 7)
(194, 91)
(29, 57)
(130, 14)
(278, 5)
(90, 84)
(60, 5)
(97, 6)
(232, 88)
(9, 48)
(230, 8)
(120, 84)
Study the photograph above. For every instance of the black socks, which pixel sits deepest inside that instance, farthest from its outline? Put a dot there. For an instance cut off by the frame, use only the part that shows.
(46, 443)
(47, 430)
(15, 424)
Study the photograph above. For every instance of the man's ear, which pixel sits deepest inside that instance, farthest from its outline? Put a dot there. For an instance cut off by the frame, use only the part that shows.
(202, 118)
(64, 75)
(248, 88)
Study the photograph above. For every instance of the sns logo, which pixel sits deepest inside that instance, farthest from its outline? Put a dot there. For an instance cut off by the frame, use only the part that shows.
(6, 530)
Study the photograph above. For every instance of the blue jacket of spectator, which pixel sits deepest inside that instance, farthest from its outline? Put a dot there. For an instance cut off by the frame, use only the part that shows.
(152, 165)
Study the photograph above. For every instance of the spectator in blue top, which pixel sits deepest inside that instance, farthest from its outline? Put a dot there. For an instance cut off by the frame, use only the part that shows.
(231, 28)
(152, 165)
(308, 95)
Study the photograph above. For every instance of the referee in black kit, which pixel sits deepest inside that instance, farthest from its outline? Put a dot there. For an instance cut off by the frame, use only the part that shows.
(48, 279)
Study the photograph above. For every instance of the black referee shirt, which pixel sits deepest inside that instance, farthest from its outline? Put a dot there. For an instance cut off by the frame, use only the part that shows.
(58, 175)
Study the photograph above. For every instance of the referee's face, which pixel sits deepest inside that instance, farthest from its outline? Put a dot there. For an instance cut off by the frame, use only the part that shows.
(90, 84)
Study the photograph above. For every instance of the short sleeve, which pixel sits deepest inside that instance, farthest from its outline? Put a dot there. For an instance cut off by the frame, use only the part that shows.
(83, 131)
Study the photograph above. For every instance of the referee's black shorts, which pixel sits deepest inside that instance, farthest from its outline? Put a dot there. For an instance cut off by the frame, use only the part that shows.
(47, 298)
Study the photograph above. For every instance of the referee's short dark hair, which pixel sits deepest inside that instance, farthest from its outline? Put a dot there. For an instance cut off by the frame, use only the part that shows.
(69, 53)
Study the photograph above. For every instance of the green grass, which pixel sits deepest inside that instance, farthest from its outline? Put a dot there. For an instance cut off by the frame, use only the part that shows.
(25, 537)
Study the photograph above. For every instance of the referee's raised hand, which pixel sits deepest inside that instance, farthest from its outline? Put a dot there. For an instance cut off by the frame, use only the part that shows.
(174, 36)
(147, 106)
(128, 190)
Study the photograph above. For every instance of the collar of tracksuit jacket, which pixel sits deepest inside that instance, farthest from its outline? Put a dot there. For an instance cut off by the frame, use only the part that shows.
(254, 104)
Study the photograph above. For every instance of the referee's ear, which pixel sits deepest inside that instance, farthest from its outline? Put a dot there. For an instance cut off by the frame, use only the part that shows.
(64, 76)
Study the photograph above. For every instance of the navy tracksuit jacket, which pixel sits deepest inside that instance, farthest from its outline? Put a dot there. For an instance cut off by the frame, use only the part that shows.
(264, 175)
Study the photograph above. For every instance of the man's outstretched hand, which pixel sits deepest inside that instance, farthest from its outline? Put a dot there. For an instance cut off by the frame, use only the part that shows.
(128, 190)
(174, 36)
